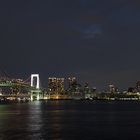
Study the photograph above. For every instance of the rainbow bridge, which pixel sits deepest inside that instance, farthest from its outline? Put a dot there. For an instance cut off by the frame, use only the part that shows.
(18, 89)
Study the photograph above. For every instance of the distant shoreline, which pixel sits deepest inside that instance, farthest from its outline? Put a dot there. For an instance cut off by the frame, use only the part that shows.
(44, 100)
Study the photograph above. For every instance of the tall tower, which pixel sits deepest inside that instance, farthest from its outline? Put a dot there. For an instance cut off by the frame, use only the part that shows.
(138, 86)
(60, 85)
(55, 85)
(35, 83)
(33, 77)
(52, 84)
(72, 82)
(112, 88)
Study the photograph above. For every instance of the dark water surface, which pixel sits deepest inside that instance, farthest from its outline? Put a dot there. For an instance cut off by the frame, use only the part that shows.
(68, 120)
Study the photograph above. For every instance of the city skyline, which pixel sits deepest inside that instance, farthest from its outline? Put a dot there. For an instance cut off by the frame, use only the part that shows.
(95, 41)
(60, 84)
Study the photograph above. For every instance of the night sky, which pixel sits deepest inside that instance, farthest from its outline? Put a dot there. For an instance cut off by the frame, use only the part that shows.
(95, 40)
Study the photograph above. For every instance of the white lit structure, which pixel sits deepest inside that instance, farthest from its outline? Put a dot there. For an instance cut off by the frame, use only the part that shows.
(36, 85)
(33, 76)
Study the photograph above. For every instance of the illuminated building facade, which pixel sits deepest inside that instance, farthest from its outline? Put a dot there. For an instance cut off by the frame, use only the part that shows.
(72, 82)
(138, 86)
(113, 89)
(74, 88)
(55, 85)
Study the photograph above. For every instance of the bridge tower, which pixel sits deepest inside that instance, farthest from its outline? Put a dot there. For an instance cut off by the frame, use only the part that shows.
(35, 83)
(33, 76)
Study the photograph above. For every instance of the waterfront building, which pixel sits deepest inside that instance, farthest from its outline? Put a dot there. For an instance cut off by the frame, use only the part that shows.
(87, 91)
(72, 82)
(55, 85)
(74, 88)
(112, 88)
(138, 86)
(72, 85)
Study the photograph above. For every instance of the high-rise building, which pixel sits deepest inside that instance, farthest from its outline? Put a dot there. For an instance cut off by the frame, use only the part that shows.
(111, 88)
(72, 82)
(74, 88)
(52, 84)
(60, 85)
(138, 86)
(55, 85)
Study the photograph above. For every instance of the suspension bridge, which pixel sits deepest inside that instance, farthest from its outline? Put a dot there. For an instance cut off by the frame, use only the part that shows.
(19, 89)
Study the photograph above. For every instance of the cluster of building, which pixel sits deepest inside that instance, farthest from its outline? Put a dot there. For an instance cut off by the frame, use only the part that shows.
(70, 88)
(65, 88)
(57, 87)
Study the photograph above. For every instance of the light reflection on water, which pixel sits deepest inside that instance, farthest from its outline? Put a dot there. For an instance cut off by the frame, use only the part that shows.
(69, 120)
(35, 120)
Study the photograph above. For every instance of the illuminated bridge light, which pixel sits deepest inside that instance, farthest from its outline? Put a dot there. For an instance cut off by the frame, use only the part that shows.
(33, 76)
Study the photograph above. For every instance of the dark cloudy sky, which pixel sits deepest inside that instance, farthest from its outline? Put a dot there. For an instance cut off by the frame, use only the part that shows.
(95, 40)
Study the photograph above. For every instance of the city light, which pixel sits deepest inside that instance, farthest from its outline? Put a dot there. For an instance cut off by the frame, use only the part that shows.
(62, 88)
